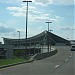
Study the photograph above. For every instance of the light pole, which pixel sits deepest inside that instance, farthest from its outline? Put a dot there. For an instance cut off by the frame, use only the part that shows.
(48, 25)
(48, 37)
(19, 39)
(50, 30)
(19, 34)
(26, 22)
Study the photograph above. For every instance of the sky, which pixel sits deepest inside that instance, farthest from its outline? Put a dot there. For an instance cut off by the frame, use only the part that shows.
(59, 12)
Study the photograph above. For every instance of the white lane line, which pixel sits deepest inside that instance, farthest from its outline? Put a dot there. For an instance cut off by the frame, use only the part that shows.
(70, 56)
(56, 66)
(71, 53)
(66, 60)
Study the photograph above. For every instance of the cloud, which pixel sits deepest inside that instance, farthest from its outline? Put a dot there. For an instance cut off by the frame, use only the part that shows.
(39, 17)
(17, 11)
(42, 2)
(67, 28)
(10, 1)
(17, 14)
(64, 2)
(56, 2)
(6, 29)
(34, 1)
(34, 14)
(20, 11)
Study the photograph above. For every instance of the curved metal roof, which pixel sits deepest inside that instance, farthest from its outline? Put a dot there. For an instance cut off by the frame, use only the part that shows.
(42, 37)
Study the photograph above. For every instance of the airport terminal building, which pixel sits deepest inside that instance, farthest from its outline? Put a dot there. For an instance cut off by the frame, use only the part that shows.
(35, 44)
(43, 38)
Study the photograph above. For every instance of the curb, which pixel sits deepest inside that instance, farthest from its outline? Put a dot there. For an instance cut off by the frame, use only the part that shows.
(40, 56)
(29, 61)
(4, 66)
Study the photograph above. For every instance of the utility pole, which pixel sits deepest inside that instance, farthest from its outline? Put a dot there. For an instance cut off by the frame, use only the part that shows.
(26, 23)
(48, 37)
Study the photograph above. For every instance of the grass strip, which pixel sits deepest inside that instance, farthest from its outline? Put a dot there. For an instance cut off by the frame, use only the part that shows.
(11, 61)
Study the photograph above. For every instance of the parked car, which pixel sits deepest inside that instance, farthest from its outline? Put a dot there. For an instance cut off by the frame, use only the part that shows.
(72, 47)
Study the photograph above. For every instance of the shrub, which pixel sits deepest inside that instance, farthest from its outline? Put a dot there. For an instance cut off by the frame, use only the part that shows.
(19, 53)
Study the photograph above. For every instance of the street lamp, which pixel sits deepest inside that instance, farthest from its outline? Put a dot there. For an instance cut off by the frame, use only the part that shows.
(48, 25)
(52, 39)
(48, 37)
(19, 34)
(50, 30)
(19, 39)
(26, 21)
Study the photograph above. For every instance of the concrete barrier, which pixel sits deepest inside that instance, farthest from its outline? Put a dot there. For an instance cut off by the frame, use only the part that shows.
(40, 56)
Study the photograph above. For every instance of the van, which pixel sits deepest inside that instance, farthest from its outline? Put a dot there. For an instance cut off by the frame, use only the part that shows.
(72, 47)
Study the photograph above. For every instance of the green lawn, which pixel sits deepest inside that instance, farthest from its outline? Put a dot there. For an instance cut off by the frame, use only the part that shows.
(10, 61)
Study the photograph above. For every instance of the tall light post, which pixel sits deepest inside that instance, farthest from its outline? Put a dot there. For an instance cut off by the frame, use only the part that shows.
(48, 25)
(50, 30)
(19, 39)
(19, 34)
(48, 36)
(26, 22)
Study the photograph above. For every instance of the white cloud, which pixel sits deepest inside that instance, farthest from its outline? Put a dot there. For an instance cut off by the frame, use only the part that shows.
(46, 2)
(17, 14)
(10, 1)
(41, 17)
(34, 14)
(67, 28)
(5, 28)
(58, 17)
(41, 2)
(17, 8)
(64, 2)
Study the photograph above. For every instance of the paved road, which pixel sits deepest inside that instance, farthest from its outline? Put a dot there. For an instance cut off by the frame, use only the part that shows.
(68, 68)
(60, 64)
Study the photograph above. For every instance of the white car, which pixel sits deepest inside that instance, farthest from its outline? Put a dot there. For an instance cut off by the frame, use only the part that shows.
(72, 47)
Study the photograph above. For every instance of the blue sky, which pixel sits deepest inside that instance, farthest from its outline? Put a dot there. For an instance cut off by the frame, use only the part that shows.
(60, 12)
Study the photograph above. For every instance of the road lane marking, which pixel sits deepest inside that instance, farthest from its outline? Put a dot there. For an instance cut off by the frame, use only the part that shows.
(56, 66)
(71, 53)
(66, 60)
(70, 56)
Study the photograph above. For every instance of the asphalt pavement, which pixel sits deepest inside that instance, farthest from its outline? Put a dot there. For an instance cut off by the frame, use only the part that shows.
(60, 64)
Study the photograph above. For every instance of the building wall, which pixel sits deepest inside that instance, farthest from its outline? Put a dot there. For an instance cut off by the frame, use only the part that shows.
(72, 42)
(60, 44)
(9, 50)
(0, 42)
